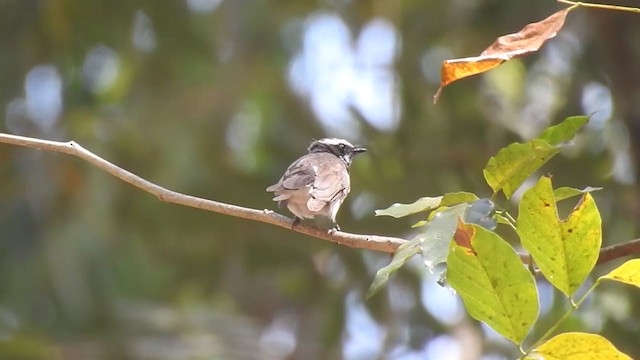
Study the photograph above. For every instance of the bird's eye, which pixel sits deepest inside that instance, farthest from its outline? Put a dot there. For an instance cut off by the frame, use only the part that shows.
(342, 146)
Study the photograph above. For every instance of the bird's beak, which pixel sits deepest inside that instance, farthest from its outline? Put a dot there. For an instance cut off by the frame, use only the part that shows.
(359, 150)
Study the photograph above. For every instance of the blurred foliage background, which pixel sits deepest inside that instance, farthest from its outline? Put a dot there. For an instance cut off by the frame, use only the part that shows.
(215, 98)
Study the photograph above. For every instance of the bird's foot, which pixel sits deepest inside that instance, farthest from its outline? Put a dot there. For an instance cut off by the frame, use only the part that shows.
(334, 229)
(295, 223)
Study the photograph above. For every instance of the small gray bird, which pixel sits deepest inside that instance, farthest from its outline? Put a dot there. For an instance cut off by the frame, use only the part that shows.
(316, 184)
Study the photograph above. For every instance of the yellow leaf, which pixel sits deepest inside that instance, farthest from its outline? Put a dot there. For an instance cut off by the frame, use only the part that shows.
(492, 282)
(628, 273)
(577, 346)
(566, 251)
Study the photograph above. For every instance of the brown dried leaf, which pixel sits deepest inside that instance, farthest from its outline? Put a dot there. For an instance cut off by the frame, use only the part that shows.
(506, 47)
(463, 235)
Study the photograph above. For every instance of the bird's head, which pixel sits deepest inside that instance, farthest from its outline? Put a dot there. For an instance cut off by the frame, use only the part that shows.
(338, 147)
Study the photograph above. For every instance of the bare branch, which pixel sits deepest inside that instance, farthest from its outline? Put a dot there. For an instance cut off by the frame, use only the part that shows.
(371, 242)
(606, 254)
(619, 250)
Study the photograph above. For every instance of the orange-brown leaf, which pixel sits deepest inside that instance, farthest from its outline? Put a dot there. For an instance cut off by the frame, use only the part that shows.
(463, 235)
(506, 47)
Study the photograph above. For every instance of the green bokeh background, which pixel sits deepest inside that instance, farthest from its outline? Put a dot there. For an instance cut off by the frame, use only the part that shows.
(91, 268)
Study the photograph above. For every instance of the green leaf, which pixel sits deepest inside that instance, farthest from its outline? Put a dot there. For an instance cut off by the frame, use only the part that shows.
(512, 165)
(568, 192)
(400, 210)
(459, 197)
(494, 284)
(436, 240)
(564, 131)
(402, 254)
(419, 224)
(577, 346)
(628, 273)
(566, 251)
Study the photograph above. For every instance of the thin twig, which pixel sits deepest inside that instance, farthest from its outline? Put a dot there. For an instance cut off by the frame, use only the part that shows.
(600, 6)
(371, 242)
(564, 317)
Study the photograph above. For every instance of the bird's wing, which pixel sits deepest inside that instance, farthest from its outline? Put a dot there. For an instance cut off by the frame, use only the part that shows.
(299, 174)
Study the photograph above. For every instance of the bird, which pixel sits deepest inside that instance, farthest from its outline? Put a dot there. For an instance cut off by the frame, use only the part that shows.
(316, 184)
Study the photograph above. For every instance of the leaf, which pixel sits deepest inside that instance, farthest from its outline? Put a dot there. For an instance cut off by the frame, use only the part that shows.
(402, 254)
(481, 212)
(437, 237)
(577, 346)
(564, 131)
(566, 251)
(512, 165)
(459, 197)
(494, 285)
(568, 192)
(419, 224)
(628, 273)
(529, 39)
(462, 237)
(398, 210)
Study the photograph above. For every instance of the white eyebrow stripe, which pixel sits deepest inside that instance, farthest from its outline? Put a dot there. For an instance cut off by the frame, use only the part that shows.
(336, 141)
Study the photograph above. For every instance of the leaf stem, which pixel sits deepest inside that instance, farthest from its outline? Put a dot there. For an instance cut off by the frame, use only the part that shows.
(555, 326)
(513, 221)
(600, 6)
